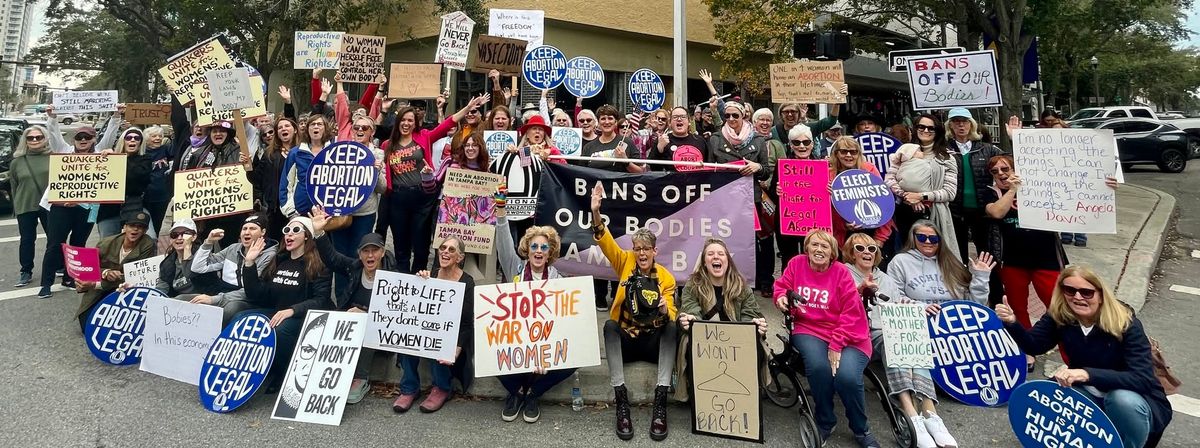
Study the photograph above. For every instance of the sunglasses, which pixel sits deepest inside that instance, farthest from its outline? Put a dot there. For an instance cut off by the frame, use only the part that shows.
(586, 120)
(360, 127)
(83, 137)
(624, 126)
(866, 249)
(1000, 170)
(802, 142)
(534, 247)
(34, 138)
(133, 138)
(270, 132)
(180, 233)
(1085, 293)
(930, 239)
(921, 127)
(789, 111)
(293, 229)
(448, 248)
(848, 152)
(733, 116)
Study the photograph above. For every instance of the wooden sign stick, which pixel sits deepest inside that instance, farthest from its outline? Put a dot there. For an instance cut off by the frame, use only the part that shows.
(239, 126)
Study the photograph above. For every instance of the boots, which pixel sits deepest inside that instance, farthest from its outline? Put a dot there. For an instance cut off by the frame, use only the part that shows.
(624, 421)
(658, 421)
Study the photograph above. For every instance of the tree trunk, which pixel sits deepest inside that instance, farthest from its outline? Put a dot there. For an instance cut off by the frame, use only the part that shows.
(1074, 83)
(1009, 63)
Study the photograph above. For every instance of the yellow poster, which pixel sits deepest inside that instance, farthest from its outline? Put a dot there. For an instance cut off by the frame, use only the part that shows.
(191, 66)
(725, 380)
(206, 114)
(212, 192)
(87, 178)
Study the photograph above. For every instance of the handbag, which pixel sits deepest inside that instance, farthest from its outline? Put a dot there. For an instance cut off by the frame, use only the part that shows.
(1170, 383)
(338, 223)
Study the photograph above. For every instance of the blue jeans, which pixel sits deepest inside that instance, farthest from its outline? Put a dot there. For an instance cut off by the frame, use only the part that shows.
(534, 384)
(1066, 238)
(848, 382)
(345, 241)
(1129, 412)
(411, 383)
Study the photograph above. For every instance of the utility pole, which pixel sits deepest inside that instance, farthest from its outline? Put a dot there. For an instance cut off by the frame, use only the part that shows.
(680, 60)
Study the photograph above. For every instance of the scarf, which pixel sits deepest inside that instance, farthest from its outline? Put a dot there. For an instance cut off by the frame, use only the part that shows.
(736, 139)
(527, 276)
(197, 141)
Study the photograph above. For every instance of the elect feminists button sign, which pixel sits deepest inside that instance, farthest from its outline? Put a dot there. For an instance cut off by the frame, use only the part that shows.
(862, 199)
(237, 363)
(975, 359)
(342, 177)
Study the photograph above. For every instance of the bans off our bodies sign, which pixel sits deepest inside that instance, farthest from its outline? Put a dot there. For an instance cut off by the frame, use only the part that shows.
(211, 193)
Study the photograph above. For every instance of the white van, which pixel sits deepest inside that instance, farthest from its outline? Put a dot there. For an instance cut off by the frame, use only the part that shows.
(1114, 112)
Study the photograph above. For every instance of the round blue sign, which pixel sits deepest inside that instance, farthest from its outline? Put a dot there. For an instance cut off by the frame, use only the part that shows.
(497, 142)
(342, 177)
(113, 331)
(646, 90)
(877, 147)
(975, 359)
(544, 67)
(862, 199)
(568, 140)
(1042, 414)
(585, 78)
(237, 363)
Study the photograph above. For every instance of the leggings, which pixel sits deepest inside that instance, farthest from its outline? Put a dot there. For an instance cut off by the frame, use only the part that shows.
(411, 222)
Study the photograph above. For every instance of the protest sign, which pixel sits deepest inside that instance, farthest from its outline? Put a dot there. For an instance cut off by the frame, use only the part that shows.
(143, 272)
(906, 343)
(691, 156)
(191, 66)
(804, 197)
(682, 209)
(646, 90)
(499, 53)
(497, 142)
(808, 82)
(237, 363)
(954, 80)
(178, 335)
(1062, 180)
(544, 67)
(415, 316)
(322, 368)
(585, 78)
(546, 323)
(207, 113)
(568, 140)
(230, 89)
(89, 178)
(862, 199)
(361, 58)
(1044, 414)
(147, 113)
(342, 177)
(527, 25)
(82, 263)
(317, 49)
(212, 192)
(84, 101)
(877, 147)
(114, 327)
(523, 182)
(415, 81)
(976, 360)
(454, 40)
(725, 400)
(467, 210)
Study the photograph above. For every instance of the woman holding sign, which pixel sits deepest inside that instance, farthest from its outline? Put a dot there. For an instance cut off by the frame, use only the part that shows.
(924, 177)
(800, 147)
(137, 177)
(29, 176)
(846, 154)
(1107, 351)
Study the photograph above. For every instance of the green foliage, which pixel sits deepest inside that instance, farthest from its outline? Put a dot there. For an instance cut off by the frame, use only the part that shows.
(97, 40)
(751, 31)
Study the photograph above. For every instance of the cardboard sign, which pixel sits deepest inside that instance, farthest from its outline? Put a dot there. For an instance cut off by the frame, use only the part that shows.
(317, 49)
(547, 323)
(191, 66)
(808, 82)
(342, 177)
(878, 147)
(1062, 173)
(499, 53)
(454, 40)
(906, 343)
(143, 272)
(863, 199)
(361, 58)
(646, 90)
(544, 67)
(147, 113)
(82, 263)
(467, 210)
(803, 197)
(585, 77)
(415, 316)
(725, 386)
(84, 101)
(1042, 414)
(523, 181)
(212, 192)
(322, 368)
(89, 178)
(569, 141)
(415, 81)
(114, 328)
(237, 363)
(230, 89)
(497, 142)
(954, 80)
(526, 25)
(207, 113)
(178, 335)
(976, 360)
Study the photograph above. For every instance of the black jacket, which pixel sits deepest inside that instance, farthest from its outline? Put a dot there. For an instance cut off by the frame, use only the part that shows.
(268, 168)
(353, 269)
(137, 177)
(317, 291)
(755, 150)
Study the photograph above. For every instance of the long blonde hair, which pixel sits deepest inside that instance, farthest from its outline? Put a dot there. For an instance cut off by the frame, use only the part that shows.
(956, 276)
(1114, 319)
(702, 281)
(835, 164)
(23, 146)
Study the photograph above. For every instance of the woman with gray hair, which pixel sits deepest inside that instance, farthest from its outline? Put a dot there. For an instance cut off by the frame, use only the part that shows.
(158, 191)
(764, 245)
(29, 175)
(800, 146)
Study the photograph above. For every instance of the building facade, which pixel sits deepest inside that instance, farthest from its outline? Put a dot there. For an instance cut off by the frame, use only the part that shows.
(16, 21)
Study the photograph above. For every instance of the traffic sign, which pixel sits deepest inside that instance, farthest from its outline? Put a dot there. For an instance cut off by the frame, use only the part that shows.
(898, 60)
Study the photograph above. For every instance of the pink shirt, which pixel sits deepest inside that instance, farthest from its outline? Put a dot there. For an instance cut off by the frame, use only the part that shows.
(833, 311)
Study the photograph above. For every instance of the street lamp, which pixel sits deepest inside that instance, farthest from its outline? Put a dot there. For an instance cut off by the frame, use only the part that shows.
(1096, 79)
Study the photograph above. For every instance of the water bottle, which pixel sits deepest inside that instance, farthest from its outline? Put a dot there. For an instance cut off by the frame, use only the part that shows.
(576, 395)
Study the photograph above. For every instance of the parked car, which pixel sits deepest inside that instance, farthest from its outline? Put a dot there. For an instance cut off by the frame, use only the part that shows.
(1192, 127)
(1141, 140)
(67, 119)
(18, 124)
(8, 144)
(1114, 112)
(1171, 115)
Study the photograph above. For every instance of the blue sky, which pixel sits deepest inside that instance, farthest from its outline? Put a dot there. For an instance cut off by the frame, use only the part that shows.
(1193, 24)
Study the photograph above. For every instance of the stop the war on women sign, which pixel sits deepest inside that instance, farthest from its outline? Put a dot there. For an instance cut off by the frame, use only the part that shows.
(546, 323)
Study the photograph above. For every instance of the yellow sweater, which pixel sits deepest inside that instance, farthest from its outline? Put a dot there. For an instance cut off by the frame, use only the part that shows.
(624, 262)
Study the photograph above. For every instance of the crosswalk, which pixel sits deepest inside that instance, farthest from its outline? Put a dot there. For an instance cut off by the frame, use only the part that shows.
(28, 292)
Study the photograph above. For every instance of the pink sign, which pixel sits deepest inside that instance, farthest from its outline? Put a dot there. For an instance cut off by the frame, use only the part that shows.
(82, 263)
(804, 197)
(688, 153)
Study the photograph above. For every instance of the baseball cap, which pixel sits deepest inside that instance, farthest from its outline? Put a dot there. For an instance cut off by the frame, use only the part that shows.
(371, 239)
(136, 218)
(958, 112)
(86, 130)
(185, 223)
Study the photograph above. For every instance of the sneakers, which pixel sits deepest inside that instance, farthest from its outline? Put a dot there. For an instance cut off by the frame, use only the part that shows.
(435, 400)
(937, 429)
(924, 440)
(532, 410)
(403, 403)
(867, 441)
(358, 390)
(824, 434)
(26, 278)
(624, 420)
(512, 407)
(658, 420)
(68, 282)
(45, 293)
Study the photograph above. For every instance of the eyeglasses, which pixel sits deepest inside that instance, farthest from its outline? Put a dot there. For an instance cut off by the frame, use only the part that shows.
(180, 233)
(930, 239)
(866, 249)
(288, 230)
(679, 117)
(360, 127)
(534, 247)
(1000, 170)
(83, 137)
(1085, 293)
(921, 127)
(642, 249)
(733, 116)
(133, 138)
(448, 248)
(846, 152)
(789, 111)
(624, 126)
(802, 142)
(34, 138)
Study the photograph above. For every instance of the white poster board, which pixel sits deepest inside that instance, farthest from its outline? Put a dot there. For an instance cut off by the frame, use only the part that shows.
(230, 89)
(177, 337)
(906, 343)
(1063, 173)
(527, 25)
(316, 49)
(551, 323)
(84, 101)
(415, 316)
(143, 272)
(954, 80)
(454, 41)
(322, 368)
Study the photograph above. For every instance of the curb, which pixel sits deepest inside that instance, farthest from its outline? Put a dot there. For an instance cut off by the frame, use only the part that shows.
(1133, 285)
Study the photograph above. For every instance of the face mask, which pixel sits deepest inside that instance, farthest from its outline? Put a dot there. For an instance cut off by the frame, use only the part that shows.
(196, 141)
